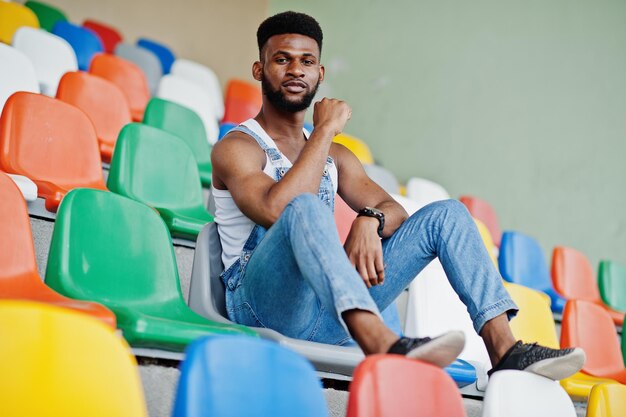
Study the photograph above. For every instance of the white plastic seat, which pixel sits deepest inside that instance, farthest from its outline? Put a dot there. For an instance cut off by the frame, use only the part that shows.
(186, 93)
(425, 191)
(27, 187)
(383, 177)
(16, 73)
(523, 394)
(144, 59)
(51, 56)
(205, 78)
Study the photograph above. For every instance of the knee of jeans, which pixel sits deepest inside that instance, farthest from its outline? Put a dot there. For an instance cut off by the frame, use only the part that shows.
(306, 203)
(450, 207)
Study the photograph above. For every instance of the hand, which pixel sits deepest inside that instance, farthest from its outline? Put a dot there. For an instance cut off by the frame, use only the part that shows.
(331, 113)
(365, 250)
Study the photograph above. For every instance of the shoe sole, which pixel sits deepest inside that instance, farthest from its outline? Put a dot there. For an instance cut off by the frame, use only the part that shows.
(440, 351)
(561, 367)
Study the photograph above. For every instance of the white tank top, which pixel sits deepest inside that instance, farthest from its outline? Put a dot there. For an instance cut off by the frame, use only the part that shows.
(233, 226)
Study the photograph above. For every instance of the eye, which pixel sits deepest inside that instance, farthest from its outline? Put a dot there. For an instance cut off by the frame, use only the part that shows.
(281, 60)
(308, 62)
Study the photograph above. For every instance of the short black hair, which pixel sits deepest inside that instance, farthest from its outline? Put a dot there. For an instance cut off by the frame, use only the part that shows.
(289, 22)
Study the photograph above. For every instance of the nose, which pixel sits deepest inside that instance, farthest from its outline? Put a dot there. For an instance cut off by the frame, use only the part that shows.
(295, 69)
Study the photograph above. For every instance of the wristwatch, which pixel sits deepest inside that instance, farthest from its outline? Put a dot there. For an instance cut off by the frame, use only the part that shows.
(374, 212)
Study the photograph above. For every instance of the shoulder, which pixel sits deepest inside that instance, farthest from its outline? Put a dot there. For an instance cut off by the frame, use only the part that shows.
(236, 145)
(342, 156)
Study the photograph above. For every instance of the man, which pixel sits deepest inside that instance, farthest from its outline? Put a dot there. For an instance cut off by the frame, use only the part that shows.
(274, 187)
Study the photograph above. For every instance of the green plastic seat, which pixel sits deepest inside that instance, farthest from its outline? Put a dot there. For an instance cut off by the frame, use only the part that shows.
(612, 285)
(157, 168)
(116, 251)
(48, 15)
(186, 124)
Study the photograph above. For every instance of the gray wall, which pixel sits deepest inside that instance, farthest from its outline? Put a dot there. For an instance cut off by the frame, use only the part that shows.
(522, 103)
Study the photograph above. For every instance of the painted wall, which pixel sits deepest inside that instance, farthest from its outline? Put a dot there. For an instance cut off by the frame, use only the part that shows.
(522, 103)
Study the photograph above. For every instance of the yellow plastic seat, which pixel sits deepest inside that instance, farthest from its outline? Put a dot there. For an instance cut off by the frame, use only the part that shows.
(607, 400)
(534, 323)
(12, 17)
(488, 241)
(357, 146)
(57, 362)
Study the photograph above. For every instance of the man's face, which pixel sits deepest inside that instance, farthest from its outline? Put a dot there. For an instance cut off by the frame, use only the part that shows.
(289, 71)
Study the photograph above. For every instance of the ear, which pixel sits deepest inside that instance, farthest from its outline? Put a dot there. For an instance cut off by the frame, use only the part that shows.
(322, 72)
(257, 70)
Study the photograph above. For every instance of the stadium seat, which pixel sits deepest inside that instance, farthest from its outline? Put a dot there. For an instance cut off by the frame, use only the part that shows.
(47, 15)
(50, 55)
(607, 400)
(424, 191)
(483, 211)
(128, 77)
(344, 216)
(521, 261)
(12, 17)
(572, 276)
(109, 36)
(164, 53)
(102, 101)
(383, 177)
(395, 386)
(486, 237)
(84, 42)
(205, 78)
(589, 326)
(225, 128)
(144, 59)
(16, 73)
(56, 362)
(117, 251)
(186, 93)
(522, 394)
(184, 123)
(52, 143)
(242, 101)
(159, 169)
(27, 187)
(357, 146)
(612, 284)
(245, 377)
(19, 278)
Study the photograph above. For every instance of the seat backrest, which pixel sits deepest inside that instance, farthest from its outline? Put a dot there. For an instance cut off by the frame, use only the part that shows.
(242, 101)
(521, 394)
(164, 53)
(357, 146)
(572, 275)
(612, 284)
(12, 17)
(264, 378)
(483, 211)
(109, 36)
(486, 237)
(607, 400)
(392, 385)
(47, 15)
(144, 59)
(52, 143)
(186, 93)
(102, 101)
(522, 261)
(383, 177)
(85, 43)
(57, 362)
(589, 326)
(344, 216)
(50, 55)
(425, 191)
(16, 73)
(205, 78)
(128, 77)
(155, 167)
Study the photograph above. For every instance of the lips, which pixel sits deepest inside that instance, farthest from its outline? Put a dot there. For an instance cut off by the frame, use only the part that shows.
(295, 86)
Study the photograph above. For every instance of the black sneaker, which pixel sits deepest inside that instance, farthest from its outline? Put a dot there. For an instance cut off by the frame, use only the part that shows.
(440, 351)
(552, 363)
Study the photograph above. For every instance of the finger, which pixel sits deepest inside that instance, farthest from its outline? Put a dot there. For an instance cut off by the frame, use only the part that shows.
(362, 269)
(380, 267)
(371, 272)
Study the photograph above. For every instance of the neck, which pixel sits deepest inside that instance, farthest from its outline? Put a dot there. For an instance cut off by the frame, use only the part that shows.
(279, 123)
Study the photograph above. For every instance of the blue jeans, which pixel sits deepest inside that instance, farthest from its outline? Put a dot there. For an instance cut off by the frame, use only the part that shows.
(298, 279)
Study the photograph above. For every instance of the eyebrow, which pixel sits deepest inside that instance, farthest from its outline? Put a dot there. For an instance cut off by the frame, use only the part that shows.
(307, 54)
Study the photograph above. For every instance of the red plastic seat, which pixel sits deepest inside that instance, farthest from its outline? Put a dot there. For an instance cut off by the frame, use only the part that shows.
(109, 36)
(242, 101)
(102, 101)
(395, 386)
(19, 278)
(482, 210)
(128, 77)
(52, 143)
(589, 326)
(344, 216)
(573, 277)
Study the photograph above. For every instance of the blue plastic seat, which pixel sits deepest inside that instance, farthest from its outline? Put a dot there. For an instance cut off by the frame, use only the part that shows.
(245, 377)
(85, 42)
(522, 261)
(165, 54)
(225, 128)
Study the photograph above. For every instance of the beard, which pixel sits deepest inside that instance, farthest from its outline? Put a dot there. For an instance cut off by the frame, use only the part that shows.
(277, 98)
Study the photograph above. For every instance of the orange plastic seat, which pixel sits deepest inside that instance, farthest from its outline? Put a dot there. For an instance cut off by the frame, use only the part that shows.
(344, 216)
(242, 101)
(52, 143)
(482, 210)
(109, 36)
(395, 386)
(589, 326)
(102, 101)
(128, 77)
(19, 278)
(12, 17)
(573, 277)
